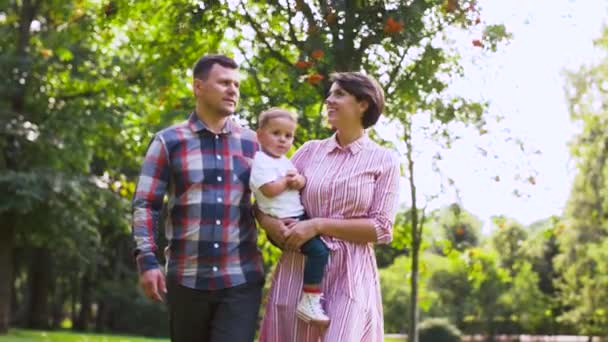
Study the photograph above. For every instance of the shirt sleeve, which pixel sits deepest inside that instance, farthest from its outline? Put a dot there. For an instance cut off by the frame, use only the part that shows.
(147, 203)
(262, 172)
(386, 198)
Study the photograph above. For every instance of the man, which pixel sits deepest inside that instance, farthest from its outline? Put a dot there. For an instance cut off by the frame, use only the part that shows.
(214, 268)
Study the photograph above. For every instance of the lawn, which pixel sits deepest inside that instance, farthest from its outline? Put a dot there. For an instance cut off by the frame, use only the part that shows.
(44, 336)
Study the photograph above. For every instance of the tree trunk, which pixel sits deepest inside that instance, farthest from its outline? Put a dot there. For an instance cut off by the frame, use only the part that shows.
(27, 13)
(416, 230)
(100, 319)
(74, 285)
(40, 283)
(84, 315)
(59, 299)
(413, 326)
(7, 237)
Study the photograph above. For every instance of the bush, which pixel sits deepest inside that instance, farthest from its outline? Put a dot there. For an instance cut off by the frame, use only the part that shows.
(438, 330)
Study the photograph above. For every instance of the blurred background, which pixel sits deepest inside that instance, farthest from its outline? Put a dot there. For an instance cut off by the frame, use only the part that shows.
(497, 109)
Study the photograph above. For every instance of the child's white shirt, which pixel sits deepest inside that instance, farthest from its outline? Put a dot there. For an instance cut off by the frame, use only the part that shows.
(266, 169)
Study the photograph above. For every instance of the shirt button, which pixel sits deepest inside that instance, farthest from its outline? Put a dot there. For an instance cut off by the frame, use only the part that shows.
(218, 222)
(219, 179)
(214, 268)
(216, 245)
(219, 200)
(218, 157)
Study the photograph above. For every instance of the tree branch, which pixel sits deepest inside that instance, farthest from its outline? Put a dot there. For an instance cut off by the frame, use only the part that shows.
(252, 71)
(395, 71)
(263, 38)
(292, 32)
(333, 27)
(89, 93)
(307, 12)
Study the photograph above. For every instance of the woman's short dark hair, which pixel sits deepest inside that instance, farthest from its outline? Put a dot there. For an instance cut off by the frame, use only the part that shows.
(363, 88)
(204, 64)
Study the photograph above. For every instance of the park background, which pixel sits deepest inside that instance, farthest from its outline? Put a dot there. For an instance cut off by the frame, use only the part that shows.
(496, 108)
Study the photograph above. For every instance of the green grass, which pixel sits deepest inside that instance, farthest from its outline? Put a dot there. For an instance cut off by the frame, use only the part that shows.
(60, 336)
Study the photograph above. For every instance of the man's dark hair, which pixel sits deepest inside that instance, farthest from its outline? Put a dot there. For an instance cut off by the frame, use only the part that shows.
(204, 64)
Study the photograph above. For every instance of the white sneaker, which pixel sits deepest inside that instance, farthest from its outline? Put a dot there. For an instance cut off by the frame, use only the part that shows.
(310, 310)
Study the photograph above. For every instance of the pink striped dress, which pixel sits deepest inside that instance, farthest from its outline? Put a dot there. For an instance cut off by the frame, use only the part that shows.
(360, 180)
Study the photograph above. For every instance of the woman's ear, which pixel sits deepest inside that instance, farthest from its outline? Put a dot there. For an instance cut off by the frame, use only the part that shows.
(363, 105)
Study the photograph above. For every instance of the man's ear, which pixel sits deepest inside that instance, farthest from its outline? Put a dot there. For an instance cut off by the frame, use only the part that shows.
(197, 85)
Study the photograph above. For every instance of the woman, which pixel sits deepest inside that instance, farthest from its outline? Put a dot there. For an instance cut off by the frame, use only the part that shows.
(351, 195)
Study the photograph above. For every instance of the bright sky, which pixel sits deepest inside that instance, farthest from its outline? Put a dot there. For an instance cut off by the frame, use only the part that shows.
(524, 84)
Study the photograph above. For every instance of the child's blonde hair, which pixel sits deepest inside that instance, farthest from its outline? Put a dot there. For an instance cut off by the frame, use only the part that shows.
(273, 113)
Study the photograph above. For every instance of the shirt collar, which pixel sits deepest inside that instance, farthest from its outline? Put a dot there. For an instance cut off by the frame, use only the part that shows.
(197, 125)
(354, 147)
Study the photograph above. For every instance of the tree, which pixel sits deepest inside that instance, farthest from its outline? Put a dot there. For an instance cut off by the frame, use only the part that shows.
(582, 238)
(304, 41)
(490, 283)
(456, 226)
(508, 240)
(84, 86)
(540, 249)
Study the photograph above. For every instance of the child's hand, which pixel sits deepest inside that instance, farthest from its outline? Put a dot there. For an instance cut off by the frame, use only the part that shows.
(296, 181)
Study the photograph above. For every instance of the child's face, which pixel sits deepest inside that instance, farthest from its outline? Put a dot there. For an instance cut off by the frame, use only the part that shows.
(277, 136)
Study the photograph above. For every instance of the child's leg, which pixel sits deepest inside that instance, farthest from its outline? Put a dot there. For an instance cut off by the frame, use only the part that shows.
(317, 255)
(310, 309)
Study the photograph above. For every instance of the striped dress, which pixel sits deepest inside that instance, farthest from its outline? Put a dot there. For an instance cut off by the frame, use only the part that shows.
(360, 180)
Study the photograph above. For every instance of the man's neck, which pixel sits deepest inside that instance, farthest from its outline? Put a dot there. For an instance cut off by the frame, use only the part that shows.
(214, 121)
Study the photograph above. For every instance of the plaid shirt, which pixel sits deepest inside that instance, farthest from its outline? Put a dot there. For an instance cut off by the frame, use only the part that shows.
(210, 228)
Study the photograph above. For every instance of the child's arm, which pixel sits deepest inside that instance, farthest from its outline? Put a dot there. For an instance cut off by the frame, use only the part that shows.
(275, 187)
(296, 181)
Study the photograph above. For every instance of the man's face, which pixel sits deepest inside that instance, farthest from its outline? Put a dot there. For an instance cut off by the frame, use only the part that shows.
(219, 93)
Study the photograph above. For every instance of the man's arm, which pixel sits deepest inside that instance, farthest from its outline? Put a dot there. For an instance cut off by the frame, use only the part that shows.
(147, 203)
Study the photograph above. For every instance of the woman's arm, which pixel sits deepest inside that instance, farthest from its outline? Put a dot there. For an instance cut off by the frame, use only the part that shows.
(274, 227)
(361, 230)
(377, 228)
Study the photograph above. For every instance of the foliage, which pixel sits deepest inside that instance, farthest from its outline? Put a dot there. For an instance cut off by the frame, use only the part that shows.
(455, 228)
(583, 234)
(438, 330)
(86, 84)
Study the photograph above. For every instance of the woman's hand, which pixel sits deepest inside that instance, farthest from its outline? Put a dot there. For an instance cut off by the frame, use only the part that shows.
(275, 228)
(301, 231)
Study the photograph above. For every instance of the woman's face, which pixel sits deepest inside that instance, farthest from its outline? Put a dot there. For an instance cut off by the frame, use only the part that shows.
(343, 109)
